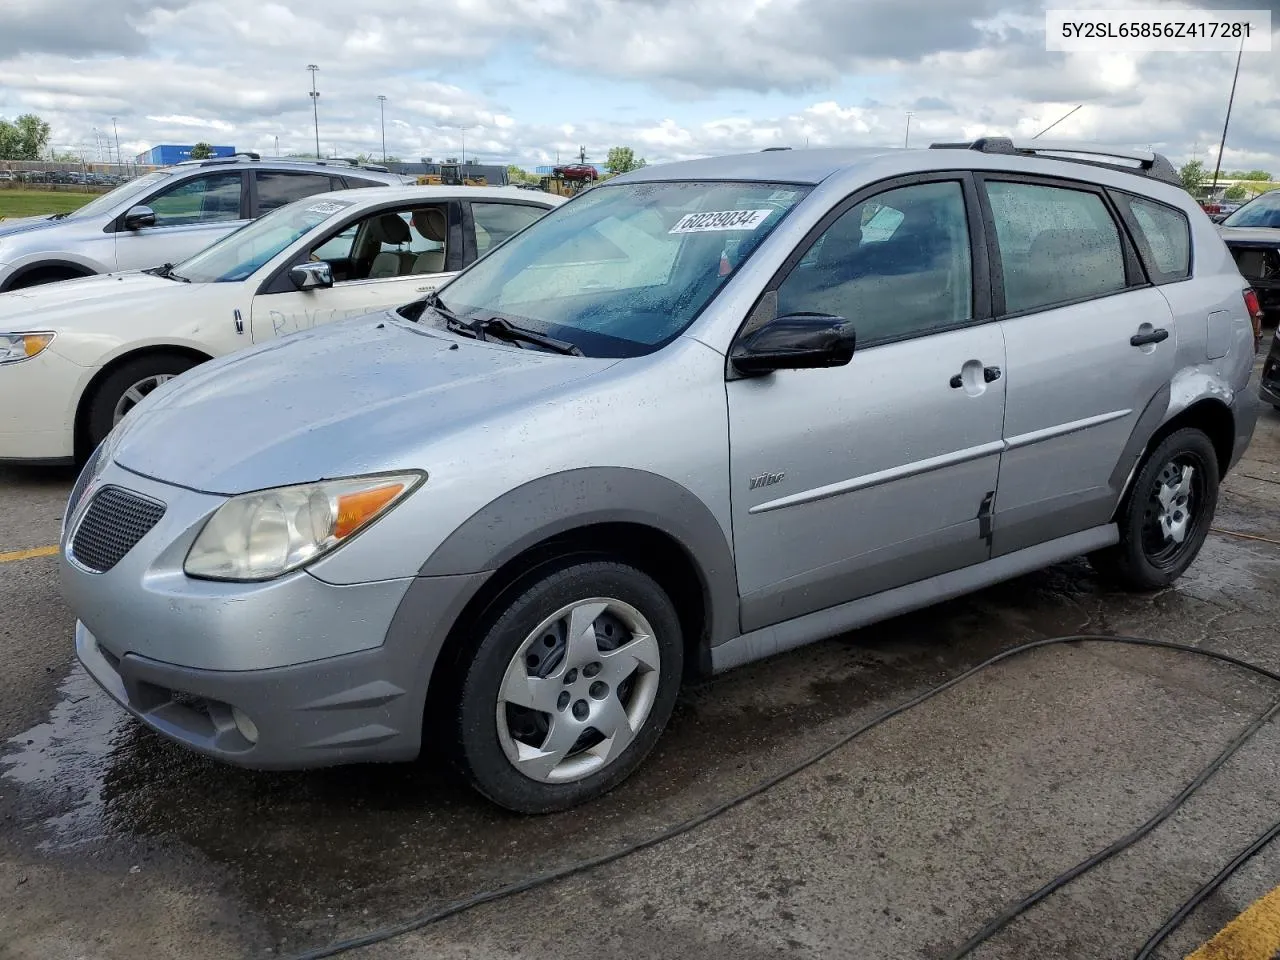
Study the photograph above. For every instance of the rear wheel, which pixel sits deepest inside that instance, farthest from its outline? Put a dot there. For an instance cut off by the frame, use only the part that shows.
(1166, 515)
(126, 387)
(569, 688)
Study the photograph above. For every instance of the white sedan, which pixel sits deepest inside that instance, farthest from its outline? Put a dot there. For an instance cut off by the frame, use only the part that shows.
(76, 356)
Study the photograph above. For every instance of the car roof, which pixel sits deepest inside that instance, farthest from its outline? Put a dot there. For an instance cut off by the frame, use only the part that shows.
(336, 167)
(371, 196)
(783, 166)
(1137, 171)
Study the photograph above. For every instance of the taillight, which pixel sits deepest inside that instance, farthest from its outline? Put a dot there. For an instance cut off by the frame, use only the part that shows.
(1254, 309)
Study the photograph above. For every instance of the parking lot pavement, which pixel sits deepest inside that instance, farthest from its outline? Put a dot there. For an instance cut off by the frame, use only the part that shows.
(901, 844)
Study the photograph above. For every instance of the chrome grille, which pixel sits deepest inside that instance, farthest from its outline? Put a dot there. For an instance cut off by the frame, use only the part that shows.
(115, 520)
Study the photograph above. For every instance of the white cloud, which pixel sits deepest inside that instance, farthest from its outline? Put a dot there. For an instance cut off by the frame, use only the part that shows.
(796, 71)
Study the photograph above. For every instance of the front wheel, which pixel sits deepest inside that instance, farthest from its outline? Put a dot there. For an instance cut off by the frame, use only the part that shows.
(126, 386)
(569, 688)
(1166, 515)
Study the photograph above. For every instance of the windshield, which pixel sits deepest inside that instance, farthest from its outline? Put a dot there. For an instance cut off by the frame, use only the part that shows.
(237, 255)
(623, 269)
(1262, 212)
(108, 201)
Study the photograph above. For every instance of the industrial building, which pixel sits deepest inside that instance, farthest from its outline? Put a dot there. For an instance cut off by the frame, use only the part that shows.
(168, 154)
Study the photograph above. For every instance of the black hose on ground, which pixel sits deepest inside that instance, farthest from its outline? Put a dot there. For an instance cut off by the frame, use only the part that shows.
(999, 922)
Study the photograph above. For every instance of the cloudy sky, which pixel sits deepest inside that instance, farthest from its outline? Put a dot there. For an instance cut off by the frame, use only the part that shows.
(527, 80)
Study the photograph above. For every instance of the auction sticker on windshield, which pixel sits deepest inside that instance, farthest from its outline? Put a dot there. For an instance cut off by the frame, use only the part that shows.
(716, 220)
(327, 207)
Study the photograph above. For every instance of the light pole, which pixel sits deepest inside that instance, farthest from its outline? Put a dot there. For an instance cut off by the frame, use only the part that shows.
(382, 116)
(1227, 122)
(906, 139)
(315, 109)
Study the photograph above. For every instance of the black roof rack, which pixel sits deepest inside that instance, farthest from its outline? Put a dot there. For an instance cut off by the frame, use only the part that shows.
(213, 161)
(771, 149)
(1141, 162)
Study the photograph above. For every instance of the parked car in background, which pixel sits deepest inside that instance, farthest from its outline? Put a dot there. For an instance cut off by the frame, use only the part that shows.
(703, 413)
(1252, 234)
(576, 171)
(1270, 386)
(75, 357)
(163, 216)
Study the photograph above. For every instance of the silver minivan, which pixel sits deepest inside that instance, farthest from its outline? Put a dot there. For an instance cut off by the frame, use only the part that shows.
(703, 413)
(166, 216)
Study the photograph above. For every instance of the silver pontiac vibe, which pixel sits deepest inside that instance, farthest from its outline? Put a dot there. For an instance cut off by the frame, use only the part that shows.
(700, 414)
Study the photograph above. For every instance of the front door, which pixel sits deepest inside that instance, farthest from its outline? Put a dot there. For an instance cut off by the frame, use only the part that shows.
(189, 217)
(857, 479)
(385, 259)
(1073, 296)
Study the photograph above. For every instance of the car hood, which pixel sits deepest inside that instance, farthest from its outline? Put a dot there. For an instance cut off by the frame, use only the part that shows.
(58, 306)
(24, 225)
(1250, 235)
(355, 397)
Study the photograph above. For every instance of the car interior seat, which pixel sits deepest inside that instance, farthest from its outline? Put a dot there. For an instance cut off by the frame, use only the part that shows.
(390, 228)
(433, 225)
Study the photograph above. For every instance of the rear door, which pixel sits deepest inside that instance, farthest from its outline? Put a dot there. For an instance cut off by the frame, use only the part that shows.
(190, 215)
(1090, 345)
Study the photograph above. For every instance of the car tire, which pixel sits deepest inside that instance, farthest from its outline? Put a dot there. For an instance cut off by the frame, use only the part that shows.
(141, 376)
(607, 696)
(1166, 515)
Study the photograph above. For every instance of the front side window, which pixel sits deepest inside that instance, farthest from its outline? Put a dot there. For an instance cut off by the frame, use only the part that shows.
(495, 222)
(623, 269)
(388, 244)
(896, 265)
(278, 187)
(1056, 245)
(199, 200)
(240, 254)
(1263, 211)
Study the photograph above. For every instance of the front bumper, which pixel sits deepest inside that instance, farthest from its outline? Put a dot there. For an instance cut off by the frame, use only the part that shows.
(34, 420)
(325, 674)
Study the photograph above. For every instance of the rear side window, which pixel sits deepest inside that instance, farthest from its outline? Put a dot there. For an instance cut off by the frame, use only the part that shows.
(1056, 245)
(1168, 239)
(497, 221)
(276, 188)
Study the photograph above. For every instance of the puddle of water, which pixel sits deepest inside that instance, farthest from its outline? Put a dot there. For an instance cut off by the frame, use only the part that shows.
(65, 757)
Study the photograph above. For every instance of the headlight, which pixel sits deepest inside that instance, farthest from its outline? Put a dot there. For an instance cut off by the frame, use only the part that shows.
(23, 346)
(260, 536)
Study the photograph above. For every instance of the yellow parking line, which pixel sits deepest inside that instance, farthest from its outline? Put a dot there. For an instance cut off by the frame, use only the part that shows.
(28, 554)
(1254, 935)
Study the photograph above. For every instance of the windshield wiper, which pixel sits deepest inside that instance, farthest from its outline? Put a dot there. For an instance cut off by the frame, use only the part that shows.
(500, 328)
(412, 311)
(166, 270)
(59, 216)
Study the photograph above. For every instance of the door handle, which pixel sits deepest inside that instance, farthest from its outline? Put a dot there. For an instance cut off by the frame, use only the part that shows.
(989, 374)
(1157, 335)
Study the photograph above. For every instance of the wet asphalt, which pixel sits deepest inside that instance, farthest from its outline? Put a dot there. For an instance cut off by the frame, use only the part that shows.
(116, 844)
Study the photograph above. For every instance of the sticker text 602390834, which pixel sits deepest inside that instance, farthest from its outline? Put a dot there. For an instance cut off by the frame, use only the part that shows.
(717, 220)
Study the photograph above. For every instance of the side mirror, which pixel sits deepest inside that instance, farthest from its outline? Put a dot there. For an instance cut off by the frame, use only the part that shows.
(139, 217)
(1218, 217)
(315, 275)
(799, 341)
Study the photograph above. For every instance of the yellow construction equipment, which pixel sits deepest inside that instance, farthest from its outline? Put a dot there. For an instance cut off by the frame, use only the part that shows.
(450, 175)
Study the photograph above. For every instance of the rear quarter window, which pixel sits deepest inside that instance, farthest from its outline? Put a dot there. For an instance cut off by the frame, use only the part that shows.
(1164, 237)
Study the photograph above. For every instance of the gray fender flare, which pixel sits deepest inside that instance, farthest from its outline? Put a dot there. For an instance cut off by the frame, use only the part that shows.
(561, 502)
